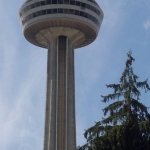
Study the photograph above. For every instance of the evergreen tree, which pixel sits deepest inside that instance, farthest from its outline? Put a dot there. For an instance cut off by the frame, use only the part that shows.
(126, 125)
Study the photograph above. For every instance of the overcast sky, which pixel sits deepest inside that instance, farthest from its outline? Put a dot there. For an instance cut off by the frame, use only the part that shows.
(126, 26)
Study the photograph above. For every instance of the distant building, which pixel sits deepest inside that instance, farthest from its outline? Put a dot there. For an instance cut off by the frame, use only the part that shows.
(60, 26)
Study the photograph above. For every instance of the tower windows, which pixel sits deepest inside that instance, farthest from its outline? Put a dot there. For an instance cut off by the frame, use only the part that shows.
(39, 13)
(90, 17)
(92, 8)
(30, 16)
(32, 6)
(54, 11)
(34, 15)
(38, 4)
(43, 12)
(86, 15)
(81, 13)
(42, 3)
(78, 3)
(71, 11)
(98, 12)
(49, 11)
(61, 11)
(54, 1)
(25, 9)
(20, 13)
(72, 2)
(60, 1)
(82, 5)
(28, 7)
(77, 12)
(65, 11)
(47, 2)
(66, 1)
(88, 6)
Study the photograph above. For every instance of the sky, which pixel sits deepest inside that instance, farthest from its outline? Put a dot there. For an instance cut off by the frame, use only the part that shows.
(126, 26)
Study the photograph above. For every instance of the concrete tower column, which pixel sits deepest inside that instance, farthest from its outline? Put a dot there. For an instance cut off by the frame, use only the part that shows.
(51, 94)
(71, 119)
(60, 104)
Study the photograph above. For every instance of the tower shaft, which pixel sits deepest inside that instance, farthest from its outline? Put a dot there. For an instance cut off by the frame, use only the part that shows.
(60, 131)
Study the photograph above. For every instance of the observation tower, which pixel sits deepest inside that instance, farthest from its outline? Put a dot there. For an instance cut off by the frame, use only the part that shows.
(60, 26)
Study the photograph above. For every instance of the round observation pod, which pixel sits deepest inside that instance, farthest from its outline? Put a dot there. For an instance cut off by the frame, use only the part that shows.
(44, 20)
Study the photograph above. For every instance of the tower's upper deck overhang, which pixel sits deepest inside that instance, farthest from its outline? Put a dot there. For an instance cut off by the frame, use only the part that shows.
(85, 16)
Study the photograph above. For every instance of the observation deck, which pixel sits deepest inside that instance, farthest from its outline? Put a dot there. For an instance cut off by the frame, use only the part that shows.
(47, 19)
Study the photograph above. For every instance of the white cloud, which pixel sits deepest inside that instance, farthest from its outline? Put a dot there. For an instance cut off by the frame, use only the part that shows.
(147, 24)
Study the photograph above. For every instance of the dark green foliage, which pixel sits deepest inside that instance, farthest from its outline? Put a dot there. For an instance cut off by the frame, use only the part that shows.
(126, 125)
